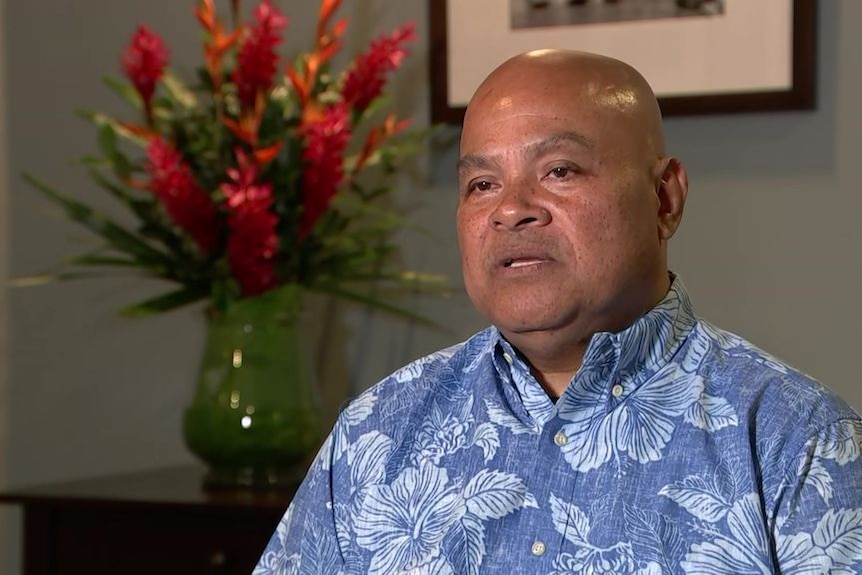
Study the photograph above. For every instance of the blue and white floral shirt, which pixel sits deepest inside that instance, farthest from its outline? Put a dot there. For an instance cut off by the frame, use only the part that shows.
(677, 448)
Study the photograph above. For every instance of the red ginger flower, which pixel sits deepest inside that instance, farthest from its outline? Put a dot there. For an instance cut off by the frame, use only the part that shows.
(252, 243)
(325, 142)
(144, 62)
(367, 76)
(257, 60)
(185, 202)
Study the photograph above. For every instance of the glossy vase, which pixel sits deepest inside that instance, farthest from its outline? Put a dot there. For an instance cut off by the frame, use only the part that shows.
(255, 416)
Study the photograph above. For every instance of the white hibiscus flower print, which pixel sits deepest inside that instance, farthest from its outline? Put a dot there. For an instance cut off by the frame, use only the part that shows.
(444, 433)
(588, 559)
(743, 550)
(641, 426)
(616, 560)
(403, 524)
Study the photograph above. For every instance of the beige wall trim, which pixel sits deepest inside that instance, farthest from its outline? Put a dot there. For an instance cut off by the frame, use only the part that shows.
(4, 248)
(9, 518)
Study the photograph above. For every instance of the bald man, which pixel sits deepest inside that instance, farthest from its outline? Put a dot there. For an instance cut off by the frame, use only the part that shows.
(598, 425)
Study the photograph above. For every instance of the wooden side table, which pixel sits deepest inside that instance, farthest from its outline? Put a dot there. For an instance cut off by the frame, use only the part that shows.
(152, 523)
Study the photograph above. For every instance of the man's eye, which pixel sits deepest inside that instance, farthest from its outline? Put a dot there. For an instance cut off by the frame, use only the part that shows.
(480, 186)
(561, 172)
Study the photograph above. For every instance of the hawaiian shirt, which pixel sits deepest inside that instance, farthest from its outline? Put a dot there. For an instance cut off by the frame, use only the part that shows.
(676, 448)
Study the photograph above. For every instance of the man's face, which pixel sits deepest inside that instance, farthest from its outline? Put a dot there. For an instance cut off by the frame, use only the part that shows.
(557, 218)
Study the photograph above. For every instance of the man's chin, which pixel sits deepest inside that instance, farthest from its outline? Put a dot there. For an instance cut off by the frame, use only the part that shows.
(529, 325)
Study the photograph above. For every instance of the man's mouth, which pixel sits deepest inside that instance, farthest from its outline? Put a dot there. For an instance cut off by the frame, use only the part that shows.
(522, 262)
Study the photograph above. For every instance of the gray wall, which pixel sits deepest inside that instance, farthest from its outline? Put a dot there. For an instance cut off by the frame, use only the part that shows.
(8, 533)
(770, 244)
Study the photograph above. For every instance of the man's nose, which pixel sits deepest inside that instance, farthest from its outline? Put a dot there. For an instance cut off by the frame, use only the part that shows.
(519, 208)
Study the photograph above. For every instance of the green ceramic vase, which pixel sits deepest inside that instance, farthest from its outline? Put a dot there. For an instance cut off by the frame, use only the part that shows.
(255, 416)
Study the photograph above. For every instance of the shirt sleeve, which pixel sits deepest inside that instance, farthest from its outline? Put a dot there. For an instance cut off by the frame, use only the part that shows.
(306, 540)
(818, 526)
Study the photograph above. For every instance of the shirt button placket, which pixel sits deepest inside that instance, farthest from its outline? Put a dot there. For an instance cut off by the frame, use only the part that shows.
(561, 438)
(538, 548)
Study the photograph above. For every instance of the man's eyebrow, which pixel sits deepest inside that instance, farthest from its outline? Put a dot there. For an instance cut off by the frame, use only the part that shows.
(531, 150)
(475, 161)
(535, 149)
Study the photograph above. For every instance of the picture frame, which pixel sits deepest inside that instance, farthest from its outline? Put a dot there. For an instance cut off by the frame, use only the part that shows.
(757, 57)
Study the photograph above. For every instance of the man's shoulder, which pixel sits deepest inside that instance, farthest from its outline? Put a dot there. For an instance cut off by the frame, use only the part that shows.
(447, 371)
(759, 380)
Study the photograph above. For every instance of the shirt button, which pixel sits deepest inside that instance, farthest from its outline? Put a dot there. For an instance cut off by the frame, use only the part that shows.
(617, 390)
(507, 357)
(561, 439)
(538, 548)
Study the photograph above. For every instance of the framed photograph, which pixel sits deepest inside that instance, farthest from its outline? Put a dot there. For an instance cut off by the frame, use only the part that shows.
(700, 56)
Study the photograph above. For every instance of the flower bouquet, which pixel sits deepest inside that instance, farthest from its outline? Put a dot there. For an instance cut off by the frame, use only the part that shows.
(252, 184)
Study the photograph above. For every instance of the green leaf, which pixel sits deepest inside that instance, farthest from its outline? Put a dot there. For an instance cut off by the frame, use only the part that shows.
(178, 90)
(165, 302)
(113, 189)
(107, 261)
(101, 119)
(108, 144)
(118, 237)
(46, 278)
(373, 302)
(413, 281)
(94, 162)
(146, 211)
(107, 140)
(378, 103)
(124, 90)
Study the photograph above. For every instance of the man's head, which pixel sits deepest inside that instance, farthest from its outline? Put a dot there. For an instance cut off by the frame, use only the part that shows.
(567, 198)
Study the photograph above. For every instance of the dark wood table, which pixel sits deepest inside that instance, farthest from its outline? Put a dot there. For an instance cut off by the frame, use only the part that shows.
(153, 523)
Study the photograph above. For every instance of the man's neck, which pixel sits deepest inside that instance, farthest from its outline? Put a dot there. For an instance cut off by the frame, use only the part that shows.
(552, 364)
(555, 356)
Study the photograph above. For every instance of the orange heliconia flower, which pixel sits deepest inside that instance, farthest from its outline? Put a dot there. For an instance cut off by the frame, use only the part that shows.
(218, 42)
(327, 44)
(376, 137)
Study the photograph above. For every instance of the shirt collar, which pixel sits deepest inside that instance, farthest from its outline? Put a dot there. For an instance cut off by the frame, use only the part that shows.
(641, 349)
(626, 358)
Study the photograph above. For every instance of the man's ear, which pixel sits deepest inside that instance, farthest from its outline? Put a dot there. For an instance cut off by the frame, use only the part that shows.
(671, 189)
